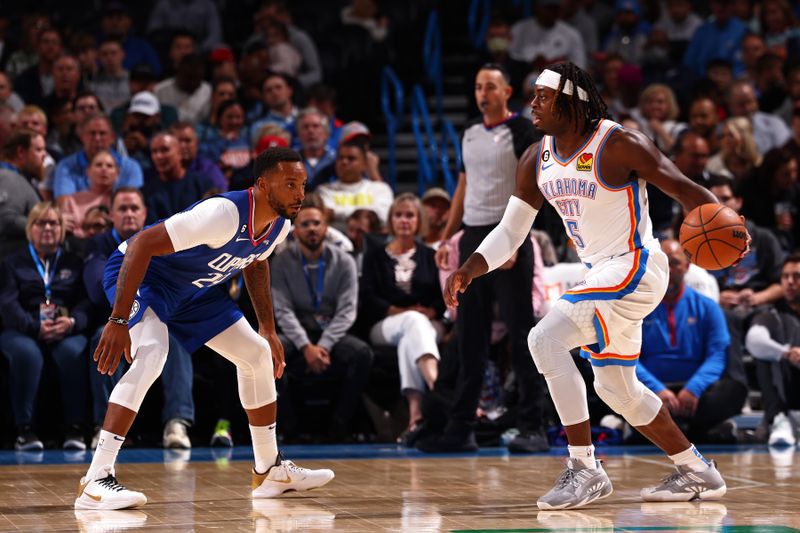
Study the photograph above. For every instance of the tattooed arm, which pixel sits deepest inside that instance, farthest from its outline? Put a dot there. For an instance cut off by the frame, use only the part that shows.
(115, 340)
(256, 277)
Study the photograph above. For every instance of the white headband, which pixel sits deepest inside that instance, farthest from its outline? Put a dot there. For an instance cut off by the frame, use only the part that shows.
(549, 78)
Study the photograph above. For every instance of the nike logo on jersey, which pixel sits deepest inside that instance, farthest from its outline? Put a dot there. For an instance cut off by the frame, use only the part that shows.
(241, 239)
(545, 167)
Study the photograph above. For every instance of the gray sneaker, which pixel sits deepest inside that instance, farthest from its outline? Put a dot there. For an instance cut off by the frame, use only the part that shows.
(686, 486)
(577, 486)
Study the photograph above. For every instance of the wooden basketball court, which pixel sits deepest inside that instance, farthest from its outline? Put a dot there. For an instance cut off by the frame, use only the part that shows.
(396, 490)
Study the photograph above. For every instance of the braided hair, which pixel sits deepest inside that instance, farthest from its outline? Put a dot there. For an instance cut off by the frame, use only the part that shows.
(585, 114)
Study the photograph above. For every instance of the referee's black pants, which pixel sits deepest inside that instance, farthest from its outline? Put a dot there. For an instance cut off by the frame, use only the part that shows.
(511, 289)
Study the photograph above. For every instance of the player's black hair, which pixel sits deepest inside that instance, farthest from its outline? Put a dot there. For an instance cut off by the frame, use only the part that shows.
(498, 68)
(269, 159)
(584, 114)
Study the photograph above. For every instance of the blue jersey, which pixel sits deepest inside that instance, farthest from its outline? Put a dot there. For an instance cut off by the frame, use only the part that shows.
(176, 284)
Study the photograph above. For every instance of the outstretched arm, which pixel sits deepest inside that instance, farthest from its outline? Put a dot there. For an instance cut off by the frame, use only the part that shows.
(508, 235)
(631, 151)
(115, 340)
(256, 277)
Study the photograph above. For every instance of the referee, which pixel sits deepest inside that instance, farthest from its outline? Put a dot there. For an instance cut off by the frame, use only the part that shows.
(491, 147)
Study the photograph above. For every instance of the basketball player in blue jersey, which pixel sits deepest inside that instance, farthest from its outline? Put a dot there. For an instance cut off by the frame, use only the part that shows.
(594, 173)
(158, 281)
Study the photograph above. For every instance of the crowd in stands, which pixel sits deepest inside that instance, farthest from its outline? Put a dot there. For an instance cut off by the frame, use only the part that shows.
(112, 127)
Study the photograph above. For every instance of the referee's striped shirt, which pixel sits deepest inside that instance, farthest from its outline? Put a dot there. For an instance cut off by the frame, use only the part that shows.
(490, 156)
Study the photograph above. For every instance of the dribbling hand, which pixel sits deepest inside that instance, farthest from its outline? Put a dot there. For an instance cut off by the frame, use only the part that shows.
(115, 342)
(456, 283)
(747, 246)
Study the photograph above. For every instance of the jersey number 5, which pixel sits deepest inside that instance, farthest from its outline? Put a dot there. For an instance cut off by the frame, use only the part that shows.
(574, 232)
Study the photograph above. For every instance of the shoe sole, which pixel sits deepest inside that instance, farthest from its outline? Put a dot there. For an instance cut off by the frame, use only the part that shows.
(543, 506)
(92, 505)
(708, 495)
(277, 493)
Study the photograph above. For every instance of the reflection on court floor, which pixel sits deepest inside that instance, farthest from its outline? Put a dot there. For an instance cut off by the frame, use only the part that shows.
(384, 488)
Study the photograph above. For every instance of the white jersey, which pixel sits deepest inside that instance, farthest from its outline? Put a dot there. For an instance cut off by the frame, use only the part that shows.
(603, 221)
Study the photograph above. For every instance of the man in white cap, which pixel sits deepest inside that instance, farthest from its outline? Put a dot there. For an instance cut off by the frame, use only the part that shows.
(358, 130)
(141, 122)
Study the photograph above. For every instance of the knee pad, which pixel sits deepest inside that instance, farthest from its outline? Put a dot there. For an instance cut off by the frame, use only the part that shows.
(255, 373)
(147, 365)
(552, 339)
(548, 352)
(629, 398)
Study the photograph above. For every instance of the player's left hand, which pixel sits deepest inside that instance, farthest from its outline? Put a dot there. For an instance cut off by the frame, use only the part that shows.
(278, 362)
(115, 342)
(688, 402)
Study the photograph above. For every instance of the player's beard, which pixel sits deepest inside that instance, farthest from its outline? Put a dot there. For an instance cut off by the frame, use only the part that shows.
(281, 209)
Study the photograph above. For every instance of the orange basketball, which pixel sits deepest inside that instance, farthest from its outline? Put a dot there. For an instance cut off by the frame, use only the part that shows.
(713, 236)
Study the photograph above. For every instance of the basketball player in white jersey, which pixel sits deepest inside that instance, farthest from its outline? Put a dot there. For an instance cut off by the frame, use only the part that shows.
(594, 172)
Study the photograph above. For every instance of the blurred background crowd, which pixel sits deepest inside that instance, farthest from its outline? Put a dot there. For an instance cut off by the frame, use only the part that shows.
(114, 115)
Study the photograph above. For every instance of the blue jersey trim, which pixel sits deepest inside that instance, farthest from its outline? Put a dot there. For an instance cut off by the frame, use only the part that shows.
(597, 161)
(613, 295)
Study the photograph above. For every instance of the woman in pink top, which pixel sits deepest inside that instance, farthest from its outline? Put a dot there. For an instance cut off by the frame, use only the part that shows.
(102, 173)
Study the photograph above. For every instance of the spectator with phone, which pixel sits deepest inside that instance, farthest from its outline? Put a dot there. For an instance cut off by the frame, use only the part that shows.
(44, 310)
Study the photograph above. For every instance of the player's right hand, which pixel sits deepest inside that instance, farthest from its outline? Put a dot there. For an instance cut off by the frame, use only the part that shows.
(747, 245)
(114, 342)
(456, 283)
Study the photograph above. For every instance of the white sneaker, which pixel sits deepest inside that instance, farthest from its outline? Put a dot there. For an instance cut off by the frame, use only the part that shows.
(107, 494)
(175, 435)
(285, 476)
(108, 521)
(685, 485)
(782, 432)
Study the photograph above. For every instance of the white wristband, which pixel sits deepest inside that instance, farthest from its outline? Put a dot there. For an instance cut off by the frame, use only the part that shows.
(509, 234)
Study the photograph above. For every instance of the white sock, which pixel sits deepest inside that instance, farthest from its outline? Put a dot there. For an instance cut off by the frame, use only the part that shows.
(108, 446)
(583, 454)
(691, 458)
(265, 446)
